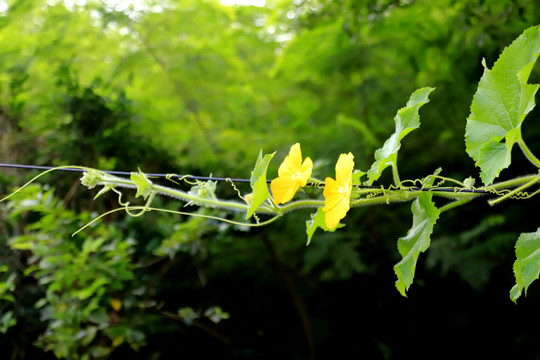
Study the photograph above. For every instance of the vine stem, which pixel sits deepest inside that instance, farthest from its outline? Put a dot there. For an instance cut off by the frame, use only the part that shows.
(146, 208)
(522, 187)
(454, 204)
(513, 182)
(528, 153)
(378, 196)
(395, 173)
(387, 197)
(117, 181)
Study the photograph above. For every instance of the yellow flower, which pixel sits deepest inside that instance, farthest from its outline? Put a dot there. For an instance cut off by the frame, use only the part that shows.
(337, 193)
(292, 174)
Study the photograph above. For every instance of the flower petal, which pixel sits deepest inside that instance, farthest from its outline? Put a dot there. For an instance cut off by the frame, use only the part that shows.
(331, 193)
(337, 193)
(292, 174)
(283, 189)
(336, 203)
(307, 168)
(344, 168)
(292, 162)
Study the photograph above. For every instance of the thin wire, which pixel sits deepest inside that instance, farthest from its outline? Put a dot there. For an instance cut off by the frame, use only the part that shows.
(123, 173)
(212, 178)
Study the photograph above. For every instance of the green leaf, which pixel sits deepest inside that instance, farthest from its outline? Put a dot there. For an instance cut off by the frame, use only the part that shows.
(90, 178)
(317, 221)
(7, 320)
(188, 315)
(258, 183)
(88, 335)
(99, 317)
(407, 119)
(21, 243)
(527, 264)
(144, 185)
(99, 351)
(357, 176)
(92, 245)
(204, 190)
(91, 289)
(500, 104)
(105, 189)
(425, 214)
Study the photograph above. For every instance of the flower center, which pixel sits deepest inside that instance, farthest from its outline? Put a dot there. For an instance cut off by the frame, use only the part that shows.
(296, 176)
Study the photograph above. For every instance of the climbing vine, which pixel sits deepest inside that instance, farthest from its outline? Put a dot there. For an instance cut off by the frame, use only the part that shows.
(494, 126)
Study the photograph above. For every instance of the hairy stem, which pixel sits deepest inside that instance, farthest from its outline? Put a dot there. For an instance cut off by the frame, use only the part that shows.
(179, 194)
(395, 174)
(515, 191)
(528, 153)
(372, 196)
(453, 204)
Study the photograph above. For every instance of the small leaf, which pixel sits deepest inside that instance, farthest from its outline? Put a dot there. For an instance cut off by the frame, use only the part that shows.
(21, 243)
(87, 335)
(317, 221)
(91, 289)
(527, 264)
(204, 190)
(144, 185)
(92, 245)
(91, 178)
(258, 183)
(469, 182)
(105, 189)
(118, 340)
(515, 293)
(425, 214)
(406, 119)
(356, 177)
(99, 351)
(99, 317)
(356, 181)
(500, 104)
(7, 320)
(188, 315)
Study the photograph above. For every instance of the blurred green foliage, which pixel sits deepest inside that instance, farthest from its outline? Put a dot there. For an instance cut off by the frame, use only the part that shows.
(195, 87)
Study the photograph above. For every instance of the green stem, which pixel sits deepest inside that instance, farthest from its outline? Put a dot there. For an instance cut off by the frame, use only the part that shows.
(301, 204)
(395, 173)
(232, 205)
(315, 182)
(512, 183)
(454, 204)
(117, 181)
(384, 199)
(385, 196)
(528, 153)
(457, 194)
(515, 191)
